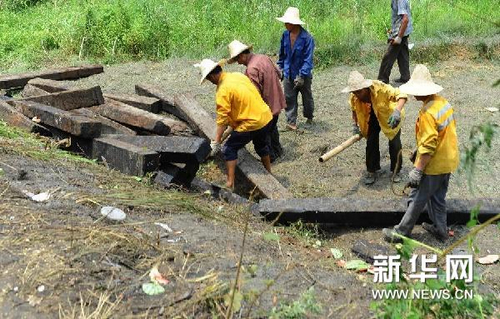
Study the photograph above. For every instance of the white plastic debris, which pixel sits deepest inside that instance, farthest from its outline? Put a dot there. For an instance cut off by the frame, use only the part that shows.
(492, 109)
(410, 46)
(165, 226)
(42, 197)
(113, 213)
(41, 288)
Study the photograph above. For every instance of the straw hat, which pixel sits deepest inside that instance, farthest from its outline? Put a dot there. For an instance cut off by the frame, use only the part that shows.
(420, 83)
(291, 16)
(356, 82)
(206, 66)
(235, 48)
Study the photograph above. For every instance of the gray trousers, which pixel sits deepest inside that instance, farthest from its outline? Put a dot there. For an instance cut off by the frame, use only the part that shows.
(430, 195)
(291, 95)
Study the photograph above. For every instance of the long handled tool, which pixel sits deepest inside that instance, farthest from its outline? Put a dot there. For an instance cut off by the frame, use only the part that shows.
(328, 155)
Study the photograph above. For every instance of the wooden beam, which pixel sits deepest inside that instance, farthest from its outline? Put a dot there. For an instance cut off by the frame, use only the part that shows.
(72, 99)
(71, 73)
(31, 90)
(50, 86)
(15, 118)
(107, 126)
(145, 103)
(125, 157)
(367, 212)
(77, 125)
(132, 116)
(200, 120)
(173, 149)
(167, 102)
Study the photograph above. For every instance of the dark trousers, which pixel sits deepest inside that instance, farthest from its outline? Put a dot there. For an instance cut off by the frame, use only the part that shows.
(399, 52)
(273, 139)
(372, 147)
(238, 140)
(291, 96)
(430, 195)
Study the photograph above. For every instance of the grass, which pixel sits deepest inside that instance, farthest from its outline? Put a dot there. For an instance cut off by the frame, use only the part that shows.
(37, 32)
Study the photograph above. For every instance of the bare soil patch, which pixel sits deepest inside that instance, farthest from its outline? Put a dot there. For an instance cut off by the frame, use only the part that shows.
(88, 265)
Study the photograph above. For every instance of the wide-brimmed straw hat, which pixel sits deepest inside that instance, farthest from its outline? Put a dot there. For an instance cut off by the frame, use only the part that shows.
(235, 49)
(420, 83)
(291, 16)
(206, 66)
(356, 82)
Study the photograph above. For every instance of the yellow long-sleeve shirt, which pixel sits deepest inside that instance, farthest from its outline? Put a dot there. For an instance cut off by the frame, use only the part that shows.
(437, 136)
(384, 100)
(239, 104)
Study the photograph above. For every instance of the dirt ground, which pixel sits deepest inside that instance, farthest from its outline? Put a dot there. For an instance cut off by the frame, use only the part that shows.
(61, 259)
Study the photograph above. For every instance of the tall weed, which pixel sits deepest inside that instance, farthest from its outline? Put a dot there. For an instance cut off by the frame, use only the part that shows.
(38, 31)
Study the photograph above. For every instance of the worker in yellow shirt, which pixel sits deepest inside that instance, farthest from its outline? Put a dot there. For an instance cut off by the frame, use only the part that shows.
(240, 106)
(436, 158)
(376, 106)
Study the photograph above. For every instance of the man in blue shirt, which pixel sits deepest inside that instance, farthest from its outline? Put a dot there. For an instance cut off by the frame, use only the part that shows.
(296, 63)
(398, 49)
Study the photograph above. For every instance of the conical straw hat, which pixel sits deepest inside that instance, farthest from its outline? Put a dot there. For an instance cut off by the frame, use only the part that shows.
(235, 48)
(206, 66)
(356, 82)
(291, 16)
(420, 83)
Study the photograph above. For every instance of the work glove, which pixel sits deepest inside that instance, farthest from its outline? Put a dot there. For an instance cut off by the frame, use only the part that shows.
(355, 129)
(215, 146)
(415, 176)
(394, 119)
(299, 82)
(396, 40)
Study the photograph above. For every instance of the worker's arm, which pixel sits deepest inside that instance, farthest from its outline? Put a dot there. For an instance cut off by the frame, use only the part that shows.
(218, 133)
(404, 23)
(422, 162)
(401, 104)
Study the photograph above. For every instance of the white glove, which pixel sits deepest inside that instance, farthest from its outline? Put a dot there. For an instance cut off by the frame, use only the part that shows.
(415, 177)
(397, 40)
(215, 146)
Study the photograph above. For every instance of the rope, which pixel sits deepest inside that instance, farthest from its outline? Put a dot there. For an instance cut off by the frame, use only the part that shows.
(407, 186)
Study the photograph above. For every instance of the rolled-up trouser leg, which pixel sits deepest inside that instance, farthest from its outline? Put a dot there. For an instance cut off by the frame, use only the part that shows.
(259, 139)
(291, 101)
(307, 98)
(418, 199)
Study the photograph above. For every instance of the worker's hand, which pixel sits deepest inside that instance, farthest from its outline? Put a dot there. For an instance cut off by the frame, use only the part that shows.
(299, 82)
(215, 146)
(394, 119)
(280, 74)
(396, 41)
(415, 176)
(355, 129)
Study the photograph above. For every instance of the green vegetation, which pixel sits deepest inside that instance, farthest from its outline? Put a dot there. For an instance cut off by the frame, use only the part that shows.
(38, 32)
(303, 307)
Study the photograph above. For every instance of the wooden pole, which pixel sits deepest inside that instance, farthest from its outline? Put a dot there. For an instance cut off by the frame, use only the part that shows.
(328, 155)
